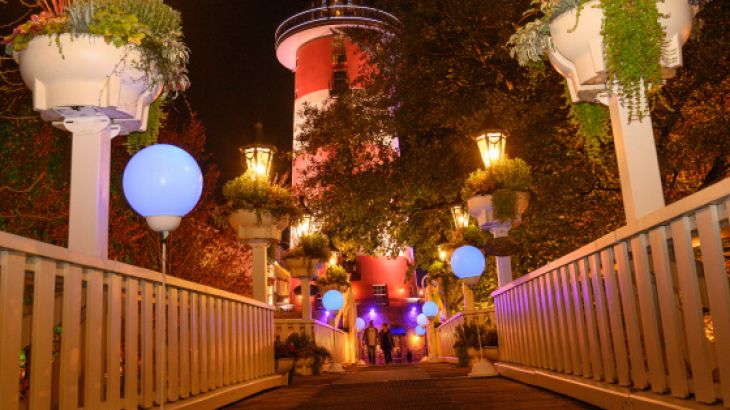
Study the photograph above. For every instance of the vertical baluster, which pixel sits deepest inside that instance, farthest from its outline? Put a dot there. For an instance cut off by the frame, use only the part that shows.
(648, 310)
(507, 325)
(12, 278)
(615, 315)
(195, 366)
(148, 345)
(259, 344)
(537, 323)
(602, 321)
(212, 341)
(184, 344)
(671, 318)
(631, 316)
(160, 345)
(226, 318)
(514, 315)
(570, 321)
(173, 353)
(131, 339)
(697, 345)
(220, 358)
(547, 321)
(500, 330)
(239, 343)
(44, 284)
(233, 339)
(718, 291)
(566, 345)
(590, 323)
(204, 349)
(93, 345)
(68, 387)
(114, 340)
(530, 324)
(579, 319)
(556, 327)
(247, 354)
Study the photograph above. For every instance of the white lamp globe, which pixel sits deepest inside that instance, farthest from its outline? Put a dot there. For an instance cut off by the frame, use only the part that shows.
(468, 263)
(333, 300)
(430, 309)
(359, 324)
(422, 319)
(162, 183)
(420, 330)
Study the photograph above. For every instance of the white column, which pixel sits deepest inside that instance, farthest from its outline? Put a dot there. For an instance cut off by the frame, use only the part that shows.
(90, 161)
(260, 272)
(468, 297)
(306, 302)
(504, 263)
(641, 185)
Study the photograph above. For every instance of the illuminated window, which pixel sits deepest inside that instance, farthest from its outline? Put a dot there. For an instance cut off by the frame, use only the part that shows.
(380, 293)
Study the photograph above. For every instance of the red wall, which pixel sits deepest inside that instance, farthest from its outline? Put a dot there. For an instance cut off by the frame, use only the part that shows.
(314, 65)
(377, 271)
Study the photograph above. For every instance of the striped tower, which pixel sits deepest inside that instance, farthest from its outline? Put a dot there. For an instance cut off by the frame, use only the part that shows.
(325, 64)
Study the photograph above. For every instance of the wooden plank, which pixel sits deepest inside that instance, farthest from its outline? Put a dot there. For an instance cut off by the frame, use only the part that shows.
(574, 280)
(68, 383)
(147, 345)
(41, 369)
(114, 340)
(219, 342)
(173, 345)
(548, 324)
(519, 350)
(204, 353)
(226, 345)
(590, 320)
(532, 325)
(259, 344)
(718, 291)
(234, 343)
(519, 326)
(247, 341)
(555, 323)
(195, 366)
(184, 344)
(631, 317)
(240, 343)
(671, 318)
(615, 315)
(538, 323)
(160, 344)
(212, 341)
(602, 321)
(648, 310)
(570, 321)
(12, 279)
(692, 311)
(131, 342)
(93, 358)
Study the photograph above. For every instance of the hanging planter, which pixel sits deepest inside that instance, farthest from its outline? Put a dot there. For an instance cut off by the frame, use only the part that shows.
(306, 259)
(498, 195)
(249, 226)
(302, 266)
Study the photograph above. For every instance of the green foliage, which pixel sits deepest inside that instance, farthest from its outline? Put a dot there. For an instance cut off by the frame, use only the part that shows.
(469, 235)
(505, 204)
(118, 28)
(336, 276)
(315, 246)
(593, 122)
(511, 174)
(301, 346)
(155, 120)
(252, 193)
(467, 337)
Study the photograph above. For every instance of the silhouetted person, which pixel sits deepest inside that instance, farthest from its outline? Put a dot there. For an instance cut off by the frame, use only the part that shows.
(386, 343)
(370, 339)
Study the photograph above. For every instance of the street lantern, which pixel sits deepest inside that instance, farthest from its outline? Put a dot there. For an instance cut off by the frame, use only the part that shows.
(461, 217)
(258, 158)
(491, 145)
(306, 226)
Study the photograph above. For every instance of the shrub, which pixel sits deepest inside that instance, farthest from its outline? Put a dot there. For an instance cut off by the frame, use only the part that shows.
(336, 276)
(301, 346)
(467, 337)
(253, 193)
(313, 246)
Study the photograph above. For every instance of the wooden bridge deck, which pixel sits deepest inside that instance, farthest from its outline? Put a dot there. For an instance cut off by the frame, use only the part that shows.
(429, 386)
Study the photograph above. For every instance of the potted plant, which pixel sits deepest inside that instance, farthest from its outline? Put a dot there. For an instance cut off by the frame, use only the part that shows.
(285, 354)
(467, 344)
(261, 209)
(499, 194)
(335, 278)
(308, 356)
(114, 55)
(304, 259)
(593, 43)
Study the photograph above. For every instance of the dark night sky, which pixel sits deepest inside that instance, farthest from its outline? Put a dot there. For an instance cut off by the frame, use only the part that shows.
(236, 79)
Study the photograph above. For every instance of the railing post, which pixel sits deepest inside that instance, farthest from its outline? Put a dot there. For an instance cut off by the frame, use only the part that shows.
(260, 265)
(504, 263)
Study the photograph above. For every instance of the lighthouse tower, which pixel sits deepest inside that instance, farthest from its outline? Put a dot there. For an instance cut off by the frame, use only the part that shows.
(324, 65)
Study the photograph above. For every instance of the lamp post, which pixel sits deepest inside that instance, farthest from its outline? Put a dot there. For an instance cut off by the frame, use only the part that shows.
(305, 227)
(163, 183)
(258, 157)
(491, 145)
(468, 264)
(333, 300)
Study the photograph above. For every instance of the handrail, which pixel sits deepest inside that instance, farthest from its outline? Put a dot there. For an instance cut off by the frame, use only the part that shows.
(336, 14)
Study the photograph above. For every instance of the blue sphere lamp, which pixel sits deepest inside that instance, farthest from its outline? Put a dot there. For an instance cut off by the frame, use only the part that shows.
(468, 263)
(162, 183)
(333, 300)
(430, 309)
(359, 324)
(422, 319)
(420, 330)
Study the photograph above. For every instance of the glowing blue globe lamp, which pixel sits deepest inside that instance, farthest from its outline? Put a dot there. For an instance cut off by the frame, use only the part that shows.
(420, 330)
(333, 300)
(430, 309)
(422, 319)
(359, 324)
(162, 183)
(468, 263)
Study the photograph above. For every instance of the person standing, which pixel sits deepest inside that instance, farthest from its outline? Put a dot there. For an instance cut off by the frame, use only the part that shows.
(386, 343)
(370, 339)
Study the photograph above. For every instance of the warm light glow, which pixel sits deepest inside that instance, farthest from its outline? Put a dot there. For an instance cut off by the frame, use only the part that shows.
(334, 257)
(442, 257)
(401, 290)
(461, 217)
(307, 226)
(258, 158)
(372, 313)
(491, 146)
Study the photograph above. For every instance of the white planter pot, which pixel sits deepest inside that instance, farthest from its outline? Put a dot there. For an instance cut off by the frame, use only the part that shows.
(482, 209)
(248, 227)
(577, 47)
(87, 72)
(302, 267)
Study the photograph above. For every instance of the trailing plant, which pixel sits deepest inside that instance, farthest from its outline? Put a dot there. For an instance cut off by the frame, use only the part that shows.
(467, 337)
(312, 246)
(253, 193)
(502, 180)
(336, 276)
(593, 123)
(469, 235)
(302, 346)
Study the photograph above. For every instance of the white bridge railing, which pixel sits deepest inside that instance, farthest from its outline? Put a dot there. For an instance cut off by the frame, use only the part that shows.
(446, 332)
(102, 334)
(646, 307)
(334, 340)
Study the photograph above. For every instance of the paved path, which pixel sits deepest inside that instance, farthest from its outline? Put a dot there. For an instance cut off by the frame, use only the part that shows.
(421, 387)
